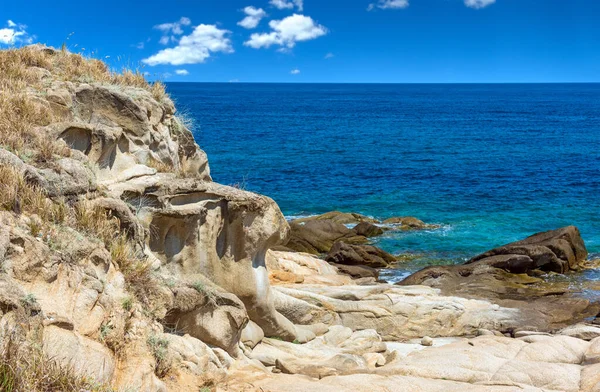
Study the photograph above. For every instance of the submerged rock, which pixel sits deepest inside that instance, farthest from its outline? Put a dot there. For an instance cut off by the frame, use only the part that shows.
(409, 223)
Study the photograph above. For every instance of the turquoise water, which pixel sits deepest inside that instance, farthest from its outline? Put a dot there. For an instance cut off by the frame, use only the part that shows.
(490, 163)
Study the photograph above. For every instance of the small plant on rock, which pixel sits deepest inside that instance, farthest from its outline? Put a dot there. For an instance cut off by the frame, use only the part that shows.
(159, 347)
(29, 300)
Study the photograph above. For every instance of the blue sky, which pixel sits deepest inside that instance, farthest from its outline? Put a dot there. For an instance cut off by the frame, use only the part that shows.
(390, 41)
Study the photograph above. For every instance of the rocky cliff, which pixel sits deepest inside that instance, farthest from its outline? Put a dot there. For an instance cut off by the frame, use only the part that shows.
(124, 267)
(112, 231)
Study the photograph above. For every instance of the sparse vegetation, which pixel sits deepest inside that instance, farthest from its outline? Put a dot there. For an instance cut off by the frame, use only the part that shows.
(25, 367)
(21, 113)
(159, 347)
(127, 303)
(28, 300)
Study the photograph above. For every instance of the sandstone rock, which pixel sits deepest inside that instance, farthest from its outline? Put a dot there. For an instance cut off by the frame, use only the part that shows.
(215, 317)
(304, 268)
(85, 355)
(427, 341)
(581, 331)
(71, 177)
(395, 312)
(349, 254)
(252, 335)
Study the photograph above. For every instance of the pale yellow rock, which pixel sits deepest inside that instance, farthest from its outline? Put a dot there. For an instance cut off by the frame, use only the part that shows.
(84, 355)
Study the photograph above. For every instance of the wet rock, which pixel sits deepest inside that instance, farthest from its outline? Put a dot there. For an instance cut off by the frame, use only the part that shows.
(409, 223)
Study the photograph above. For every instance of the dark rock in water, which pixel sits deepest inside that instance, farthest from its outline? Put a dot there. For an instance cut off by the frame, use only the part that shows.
(350, 254)
(367, 229)
(339, 217)
(511, 276)
(409, 223)
(358, 271)
(556, 250)
(318, 236)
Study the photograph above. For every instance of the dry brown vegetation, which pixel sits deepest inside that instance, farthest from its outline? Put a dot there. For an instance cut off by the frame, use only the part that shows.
(19, 196)
(22, 112)
(25, 367)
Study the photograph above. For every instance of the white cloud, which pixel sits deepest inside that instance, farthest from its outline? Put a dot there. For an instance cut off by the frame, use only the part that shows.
(15, 33)
(194, 48)
(329, 56)
(140, 45)
(288, 4)
(295, 71)
(182, 72)
(389, 4)
(253, 17)
(478, 3)
(169, 30)
(287, 32)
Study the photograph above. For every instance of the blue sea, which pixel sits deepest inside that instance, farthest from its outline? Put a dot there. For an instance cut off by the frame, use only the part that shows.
(490, 163)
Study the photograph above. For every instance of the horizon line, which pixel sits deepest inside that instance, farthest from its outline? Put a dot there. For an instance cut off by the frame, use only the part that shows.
(414, 83)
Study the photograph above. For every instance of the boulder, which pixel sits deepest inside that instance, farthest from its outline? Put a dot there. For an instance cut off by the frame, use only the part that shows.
(350, 254)
(409, 223)
(205, 313)
(558, 250)
(344, 218)
(358, 271)
(368, 229)
(318, 236)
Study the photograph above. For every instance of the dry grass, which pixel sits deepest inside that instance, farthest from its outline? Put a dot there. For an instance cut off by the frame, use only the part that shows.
(18, 196)
(22, 112)
(96, 222)
(136, 270)
(25, 367)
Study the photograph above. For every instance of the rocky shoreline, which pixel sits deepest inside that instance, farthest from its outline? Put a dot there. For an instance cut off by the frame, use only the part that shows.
(125, 267)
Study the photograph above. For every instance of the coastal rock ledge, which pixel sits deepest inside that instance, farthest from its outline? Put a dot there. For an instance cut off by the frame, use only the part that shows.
(124, 267)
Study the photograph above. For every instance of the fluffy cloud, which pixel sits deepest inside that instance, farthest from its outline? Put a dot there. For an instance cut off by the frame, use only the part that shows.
(170, 30)
(287, 32)
(287, 4)
(390, 4)
(253, 17)
(194, 48)
(175, 27)
(295, 71)
(479, 3)
(182, 72)
(14, 33)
